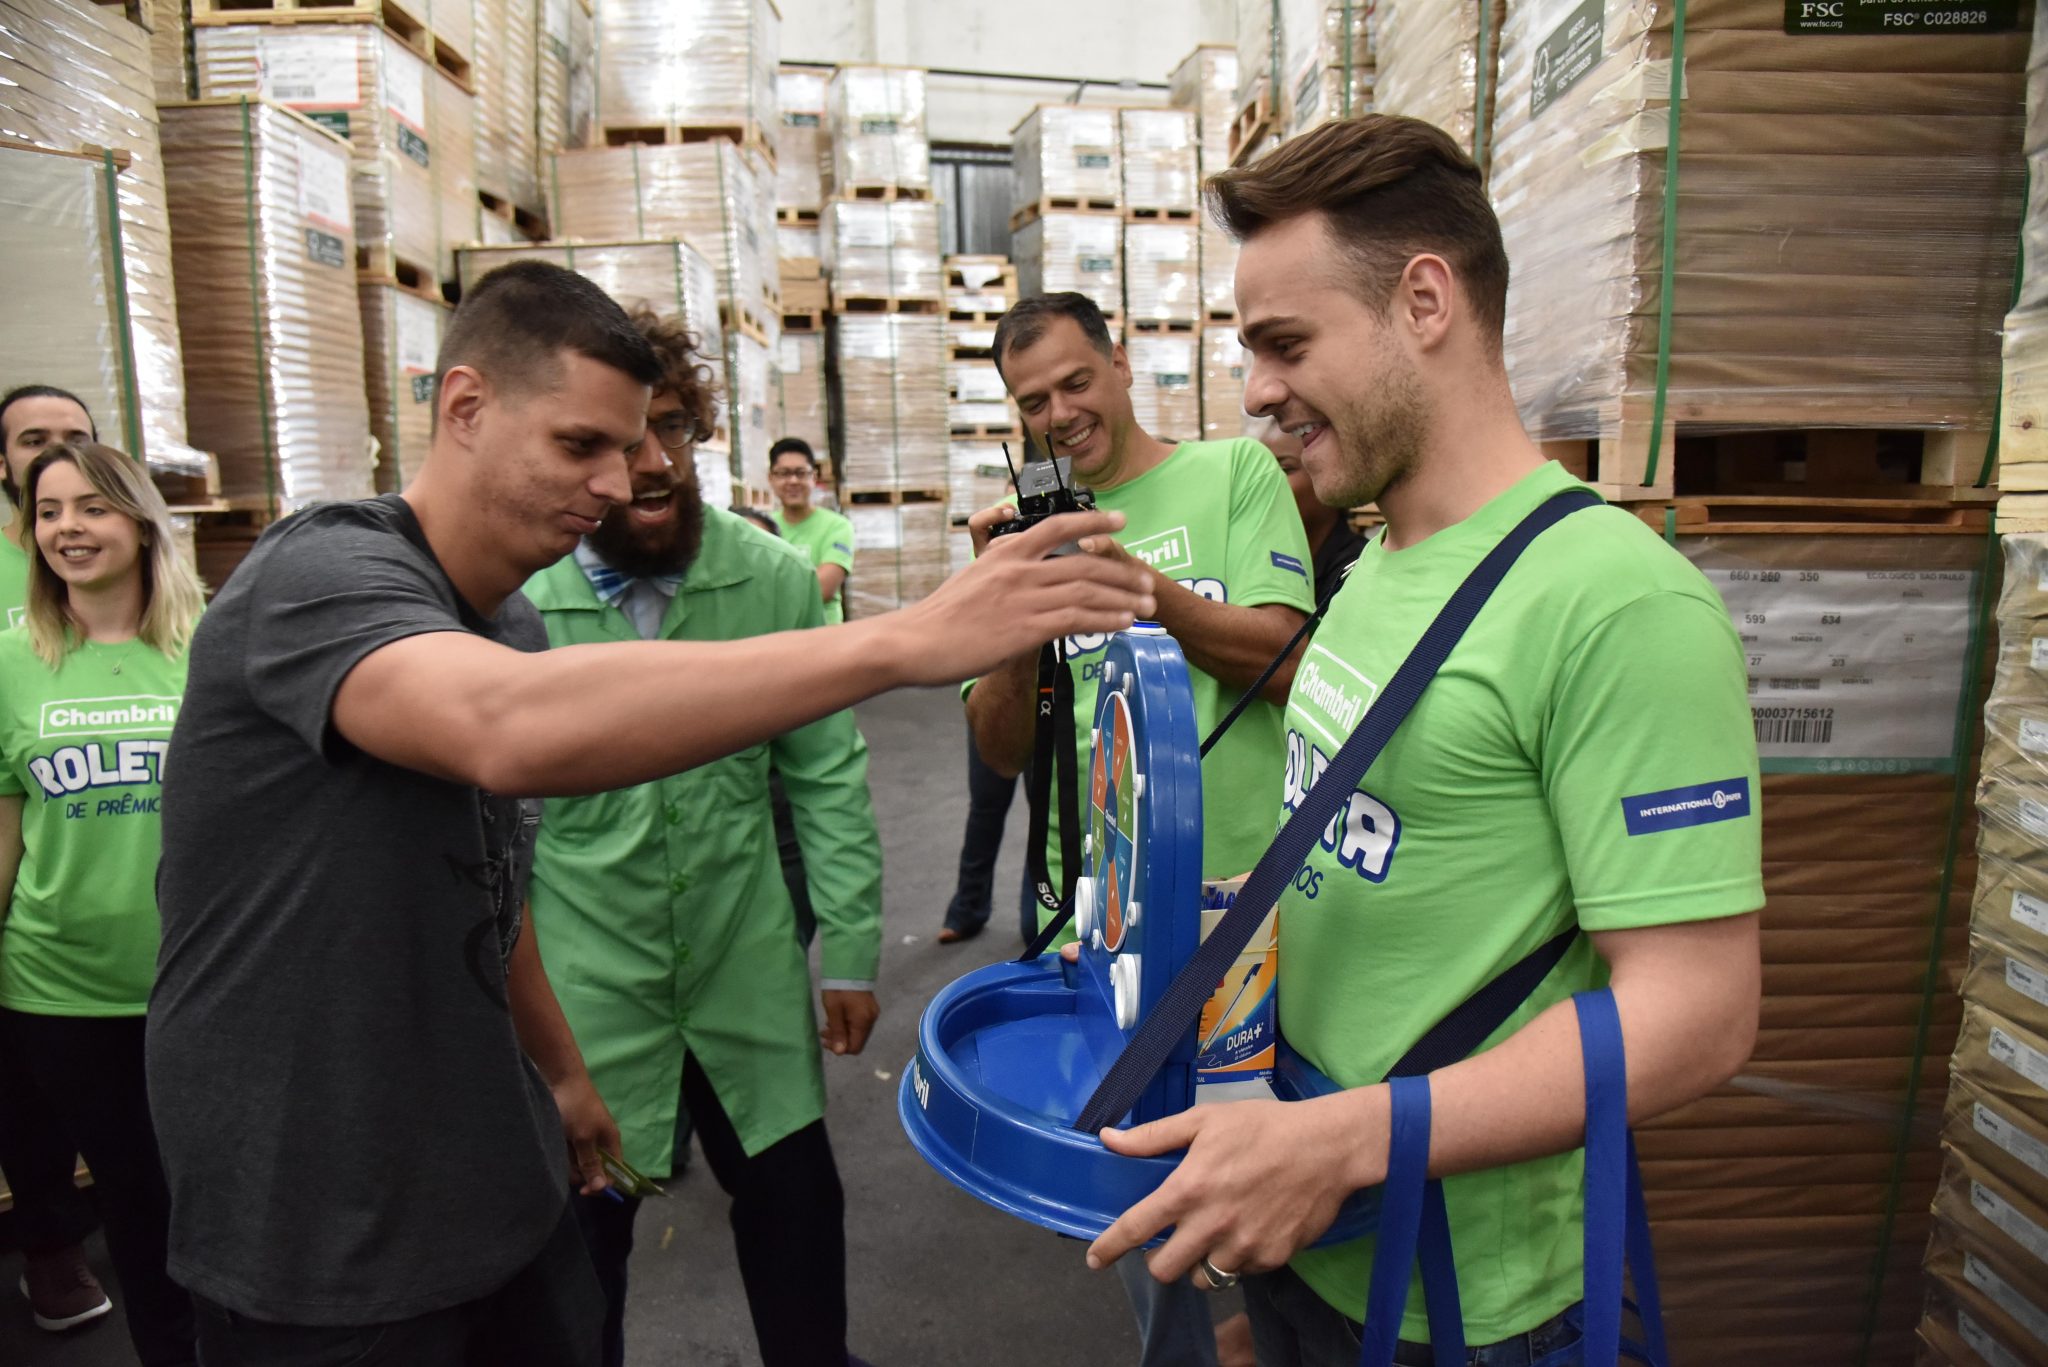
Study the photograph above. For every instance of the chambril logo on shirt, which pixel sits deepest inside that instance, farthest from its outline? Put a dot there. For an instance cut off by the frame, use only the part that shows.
(1288, 562)
(127, 715)
(1164, 551)
(1676, 808)
(1330, 691)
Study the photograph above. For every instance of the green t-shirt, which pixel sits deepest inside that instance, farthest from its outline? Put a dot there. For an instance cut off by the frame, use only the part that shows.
(825, 538)
(85, 743)
(1587, 751)
(13, 580)
(1217, 518)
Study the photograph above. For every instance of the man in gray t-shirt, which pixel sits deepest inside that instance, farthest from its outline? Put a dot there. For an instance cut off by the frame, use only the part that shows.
(360, 1079)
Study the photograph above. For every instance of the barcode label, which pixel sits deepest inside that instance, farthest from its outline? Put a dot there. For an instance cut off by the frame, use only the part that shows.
(1794, 730)
(2030, 912)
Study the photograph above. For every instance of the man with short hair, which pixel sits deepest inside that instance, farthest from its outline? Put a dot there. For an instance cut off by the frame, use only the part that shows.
(51, 1215)
(661, 910)
(360, 1079)
(825, 537)
(1215, 529)
(1520, 799)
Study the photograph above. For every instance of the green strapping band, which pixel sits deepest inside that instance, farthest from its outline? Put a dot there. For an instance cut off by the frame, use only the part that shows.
(1273, 65)
(256, 308)
(2019, 279)
(729, 241)
(131, 389)
(1667, 286)
(1930, 983)
(1482, 127)
(1671, 524)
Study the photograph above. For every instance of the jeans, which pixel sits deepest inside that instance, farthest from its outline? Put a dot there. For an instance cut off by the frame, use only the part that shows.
(88, 1071)
(788, 1228)
(989, 795)
(1294, 1327)
(548, 1315)
(1174, 1326)
(38, 1158)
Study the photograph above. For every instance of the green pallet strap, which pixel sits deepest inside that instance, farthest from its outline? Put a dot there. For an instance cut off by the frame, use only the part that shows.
(263, 404)
(1273, 31)
(1671, 524)
(1667, 285)
(1961, 795)
(131, 388)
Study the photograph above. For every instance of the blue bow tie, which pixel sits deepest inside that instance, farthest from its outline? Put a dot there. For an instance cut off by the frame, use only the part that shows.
(610, 585)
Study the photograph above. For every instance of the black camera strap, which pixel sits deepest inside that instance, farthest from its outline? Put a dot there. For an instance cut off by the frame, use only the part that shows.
(1053, 745)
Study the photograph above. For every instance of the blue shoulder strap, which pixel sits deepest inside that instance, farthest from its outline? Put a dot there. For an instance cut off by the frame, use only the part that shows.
(1414, 1225)
(1175, 1014)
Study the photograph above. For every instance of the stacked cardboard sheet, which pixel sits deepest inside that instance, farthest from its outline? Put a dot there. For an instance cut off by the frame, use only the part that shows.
(878, 140)
(565, 75)
(800, 139)
(1435, 60)
(1165, 398)
(900, 554)
(401, 339)
(1066, 155)
(875, 249)
(679, 64)
(1071, 251)
(891, 401)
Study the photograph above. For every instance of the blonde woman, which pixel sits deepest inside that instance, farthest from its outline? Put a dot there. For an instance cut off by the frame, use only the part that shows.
(89, 688)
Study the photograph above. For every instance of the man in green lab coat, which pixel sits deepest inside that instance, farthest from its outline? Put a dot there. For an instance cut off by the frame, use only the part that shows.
(661, 911)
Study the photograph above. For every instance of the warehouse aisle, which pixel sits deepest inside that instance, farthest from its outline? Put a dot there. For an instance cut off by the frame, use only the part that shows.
(936, 1279)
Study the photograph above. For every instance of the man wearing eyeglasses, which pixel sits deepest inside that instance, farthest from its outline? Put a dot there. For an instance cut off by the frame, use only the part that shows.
(661, 911)
(820, 533)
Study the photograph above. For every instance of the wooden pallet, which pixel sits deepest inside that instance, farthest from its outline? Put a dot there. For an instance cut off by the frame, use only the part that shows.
(1062, 204)
(747, 135)
(530, 225)
(379, 261)
(1253, 122)
(1810, 516)
(1220, 315)
(972, 316)
(1775, 462)
(802, 320)
(858, 303)
(416, 286)
(797, 218)
(1136, 215)
(882, 194)
(987, 431)
(896, 497)
(1164, 326)
(744, 320)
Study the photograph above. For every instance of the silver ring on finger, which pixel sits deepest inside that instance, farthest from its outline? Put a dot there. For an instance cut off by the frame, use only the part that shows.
(1216, 1277)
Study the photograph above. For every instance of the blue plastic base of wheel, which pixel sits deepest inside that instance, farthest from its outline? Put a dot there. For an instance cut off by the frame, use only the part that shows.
(1005, 1061)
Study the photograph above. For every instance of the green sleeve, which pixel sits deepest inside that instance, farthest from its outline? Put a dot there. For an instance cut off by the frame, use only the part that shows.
(1268, 560)
(1649, 764)
(836, 548)
(824, 769)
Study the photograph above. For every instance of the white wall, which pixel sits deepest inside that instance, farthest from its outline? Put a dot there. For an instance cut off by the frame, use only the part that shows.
(1101, 40)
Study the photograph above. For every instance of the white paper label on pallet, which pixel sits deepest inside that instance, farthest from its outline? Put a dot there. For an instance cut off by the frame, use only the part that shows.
(2030, 912)
(405, 84)
(2038, 653)
(2009, 1137)
(2031, 1317)
(980, 274)
(1983, 1345)
(978, 338)
(977, 382)
(1851, 671)
(2033, 817)
(323, 185)
(875, 529)
(419, 334)
(2034, 736)
(1160, 242)
(2026, 981)
(2023, 1059)
(308, 70)
(860, 225)
(2008, 1219)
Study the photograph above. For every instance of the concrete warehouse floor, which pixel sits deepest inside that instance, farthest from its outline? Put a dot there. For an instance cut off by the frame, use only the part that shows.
(935, 1278)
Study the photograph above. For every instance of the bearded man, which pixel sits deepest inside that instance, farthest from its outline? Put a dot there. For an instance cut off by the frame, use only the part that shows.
(661, 911)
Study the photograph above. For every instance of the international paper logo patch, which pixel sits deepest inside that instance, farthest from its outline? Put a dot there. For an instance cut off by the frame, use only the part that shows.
(1676, 808)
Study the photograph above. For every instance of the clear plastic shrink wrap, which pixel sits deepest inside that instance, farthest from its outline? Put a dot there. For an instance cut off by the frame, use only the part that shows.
(265, 251)
(566, 64)
(401, 339)
(1063, 152)
(1824, 276)
(506, 72)
(800, 139)
(75, 76)
(671, 63)
(891, 400)
(882, 250)
(1162, 277)
(1432, 62)
(1069, 251)
(877, 131)
(1159, 152)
